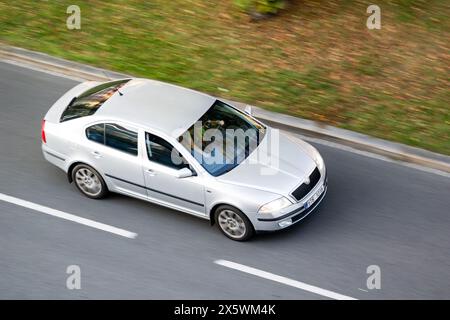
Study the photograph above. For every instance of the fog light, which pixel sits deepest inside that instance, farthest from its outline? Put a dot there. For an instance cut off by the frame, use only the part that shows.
(285, 223)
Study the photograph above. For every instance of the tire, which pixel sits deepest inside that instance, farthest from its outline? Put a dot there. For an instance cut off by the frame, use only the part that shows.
(89, 182)
(233, 223)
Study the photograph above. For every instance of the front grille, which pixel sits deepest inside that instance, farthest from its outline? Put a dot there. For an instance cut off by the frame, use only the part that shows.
(304, 189)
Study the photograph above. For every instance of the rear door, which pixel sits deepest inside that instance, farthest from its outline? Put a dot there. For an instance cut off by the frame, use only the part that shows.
(113, 149)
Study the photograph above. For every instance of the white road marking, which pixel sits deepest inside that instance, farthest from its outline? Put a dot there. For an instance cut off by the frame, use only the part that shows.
(283, 280)
(67, 216)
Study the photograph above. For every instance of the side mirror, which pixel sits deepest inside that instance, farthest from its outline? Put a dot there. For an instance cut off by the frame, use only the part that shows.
(184, 173)
(248, 110)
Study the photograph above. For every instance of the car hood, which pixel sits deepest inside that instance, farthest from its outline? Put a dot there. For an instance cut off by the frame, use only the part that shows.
(278, 165)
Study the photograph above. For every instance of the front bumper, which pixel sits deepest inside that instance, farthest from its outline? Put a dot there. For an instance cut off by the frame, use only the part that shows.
(294, 215)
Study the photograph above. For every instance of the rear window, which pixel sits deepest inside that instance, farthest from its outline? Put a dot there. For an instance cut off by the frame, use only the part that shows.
(96, 133)
(88, 102)
(120, 138)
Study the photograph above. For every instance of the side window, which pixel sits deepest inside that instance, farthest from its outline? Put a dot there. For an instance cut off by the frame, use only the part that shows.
(120, 138)
(96, 133)
(162, 152)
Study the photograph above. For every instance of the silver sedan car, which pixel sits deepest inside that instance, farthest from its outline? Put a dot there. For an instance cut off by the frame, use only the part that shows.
(184, 150)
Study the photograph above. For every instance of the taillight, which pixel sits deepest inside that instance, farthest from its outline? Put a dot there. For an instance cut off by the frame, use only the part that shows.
(44, 139)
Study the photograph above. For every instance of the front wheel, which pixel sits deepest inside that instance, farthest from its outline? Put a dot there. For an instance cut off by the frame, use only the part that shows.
(233, 223)
(89, 181)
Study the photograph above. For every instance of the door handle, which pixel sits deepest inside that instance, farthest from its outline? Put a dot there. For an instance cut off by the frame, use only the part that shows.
(150, 172)
(96, 154)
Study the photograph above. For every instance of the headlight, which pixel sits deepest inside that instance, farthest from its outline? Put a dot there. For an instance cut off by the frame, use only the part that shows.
(275, 205)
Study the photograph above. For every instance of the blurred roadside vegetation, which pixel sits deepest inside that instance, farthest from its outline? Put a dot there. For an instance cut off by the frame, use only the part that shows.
(261, 6)
(314, 59)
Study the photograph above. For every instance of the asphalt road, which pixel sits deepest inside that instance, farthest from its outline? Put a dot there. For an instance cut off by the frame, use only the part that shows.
(376, 213)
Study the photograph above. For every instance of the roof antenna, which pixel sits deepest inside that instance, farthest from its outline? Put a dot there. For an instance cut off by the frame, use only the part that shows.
(110, 79)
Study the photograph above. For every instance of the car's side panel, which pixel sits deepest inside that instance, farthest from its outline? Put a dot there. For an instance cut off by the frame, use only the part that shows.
(62, 142)
(122, 171)
(164, 185)
(243, 198)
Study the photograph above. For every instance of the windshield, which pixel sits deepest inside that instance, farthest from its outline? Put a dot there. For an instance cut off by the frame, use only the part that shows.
(222, 138)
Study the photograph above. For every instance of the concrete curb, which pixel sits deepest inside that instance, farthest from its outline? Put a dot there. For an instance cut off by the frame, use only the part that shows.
(305, 127)
(57, 65)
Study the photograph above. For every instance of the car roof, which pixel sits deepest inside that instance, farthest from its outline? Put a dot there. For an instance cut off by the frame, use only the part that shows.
(168, 108)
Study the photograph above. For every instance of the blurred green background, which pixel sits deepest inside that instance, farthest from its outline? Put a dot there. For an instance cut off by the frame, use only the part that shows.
(314, 59)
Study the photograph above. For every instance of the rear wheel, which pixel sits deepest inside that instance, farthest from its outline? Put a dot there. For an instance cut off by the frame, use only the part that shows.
(89, 181)
(233, 223)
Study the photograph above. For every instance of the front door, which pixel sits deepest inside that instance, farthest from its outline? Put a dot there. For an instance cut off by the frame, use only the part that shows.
(162, 181)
